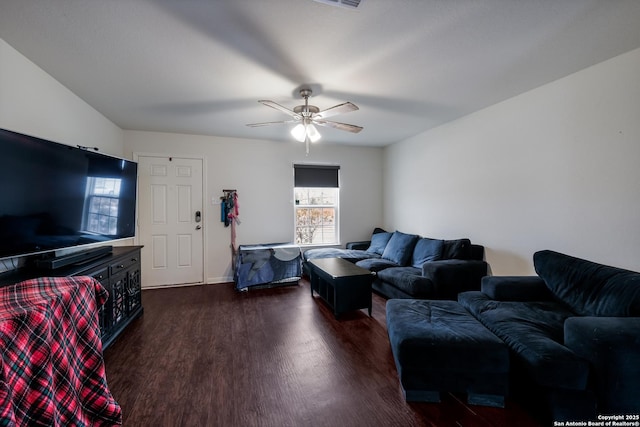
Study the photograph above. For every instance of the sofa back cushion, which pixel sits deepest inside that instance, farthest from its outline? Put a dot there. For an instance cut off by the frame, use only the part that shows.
(400, 248)
(379, 242)
(426, 250)
(588, 288)
(457, 249)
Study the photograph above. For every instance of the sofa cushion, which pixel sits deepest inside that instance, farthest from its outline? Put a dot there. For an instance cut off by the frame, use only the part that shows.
(534, 331)
(379, 242)
(457, 249)
(408, 280)
(426, 250)
(400, 247)
(588, 288)
(515, 288)
(376, 264)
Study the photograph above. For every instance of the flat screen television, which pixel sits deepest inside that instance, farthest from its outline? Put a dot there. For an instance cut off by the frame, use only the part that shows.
(55, 196)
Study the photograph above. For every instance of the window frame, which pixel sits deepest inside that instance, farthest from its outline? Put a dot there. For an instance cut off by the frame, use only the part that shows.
(316, 177)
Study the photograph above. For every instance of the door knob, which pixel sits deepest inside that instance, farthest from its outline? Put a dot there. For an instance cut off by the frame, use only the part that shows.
(198, 227)
(198, 216)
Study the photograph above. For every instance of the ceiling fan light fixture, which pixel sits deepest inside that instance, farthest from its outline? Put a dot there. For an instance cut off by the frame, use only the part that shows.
(312, 133)
(299, 132)
(302, 131)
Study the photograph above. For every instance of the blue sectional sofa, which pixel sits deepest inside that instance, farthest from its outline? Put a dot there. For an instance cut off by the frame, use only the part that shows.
(573, 333)
(411, 266)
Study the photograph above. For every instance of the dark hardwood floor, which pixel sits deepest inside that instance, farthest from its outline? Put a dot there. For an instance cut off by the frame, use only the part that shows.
(211, 356)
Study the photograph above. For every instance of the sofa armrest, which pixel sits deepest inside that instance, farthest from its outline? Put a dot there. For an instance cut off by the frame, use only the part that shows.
(612, 347)
(362, 245)
(516, 288)
(452, 276)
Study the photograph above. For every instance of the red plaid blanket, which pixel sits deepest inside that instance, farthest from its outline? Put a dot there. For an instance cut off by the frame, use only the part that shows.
(52, 372)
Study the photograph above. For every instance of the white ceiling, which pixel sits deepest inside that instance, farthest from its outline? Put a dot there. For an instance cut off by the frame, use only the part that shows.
(199, 66)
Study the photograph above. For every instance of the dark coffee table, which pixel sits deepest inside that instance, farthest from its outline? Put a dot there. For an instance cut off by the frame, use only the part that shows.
(341, 284)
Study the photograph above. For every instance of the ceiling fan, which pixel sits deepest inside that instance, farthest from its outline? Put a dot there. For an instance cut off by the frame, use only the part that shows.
(307, 115)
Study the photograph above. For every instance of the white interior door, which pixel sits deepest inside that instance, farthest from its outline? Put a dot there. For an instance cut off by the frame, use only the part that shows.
(170, 220)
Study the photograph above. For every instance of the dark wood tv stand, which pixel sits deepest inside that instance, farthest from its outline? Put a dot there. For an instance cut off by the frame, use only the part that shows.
(118, 272)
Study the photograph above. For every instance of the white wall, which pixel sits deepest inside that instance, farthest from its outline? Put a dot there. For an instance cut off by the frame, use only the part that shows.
(34, 103)
(554, 168)
(262, 173)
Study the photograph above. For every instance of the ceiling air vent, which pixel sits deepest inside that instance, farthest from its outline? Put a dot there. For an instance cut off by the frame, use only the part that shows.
(349, 4)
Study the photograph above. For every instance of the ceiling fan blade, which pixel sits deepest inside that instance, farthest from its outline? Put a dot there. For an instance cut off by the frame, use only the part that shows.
(281, 108)
(337, 109)
(253, 125)
(337, 125)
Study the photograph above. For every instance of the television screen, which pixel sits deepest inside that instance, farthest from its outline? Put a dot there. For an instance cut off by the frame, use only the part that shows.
(55, 196)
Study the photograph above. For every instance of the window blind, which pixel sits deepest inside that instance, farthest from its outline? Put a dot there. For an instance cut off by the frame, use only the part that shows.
(316, 176)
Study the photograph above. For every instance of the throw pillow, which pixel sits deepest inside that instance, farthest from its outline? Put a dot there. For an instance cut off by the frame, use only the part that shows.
(400, 247)
(426, 250)
(379, 242)
(457, 249)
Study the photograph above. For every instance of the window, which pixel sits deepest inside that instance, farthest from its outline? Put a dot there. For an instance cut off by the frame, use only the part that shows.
(102, 205)
(316, 195)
